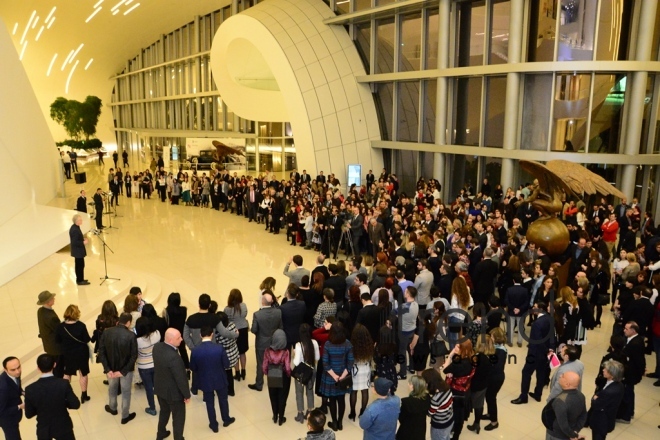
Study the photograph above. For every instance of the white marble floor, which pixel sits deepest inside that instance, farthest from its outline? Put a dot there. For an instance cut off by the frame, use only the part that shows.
(165, 248)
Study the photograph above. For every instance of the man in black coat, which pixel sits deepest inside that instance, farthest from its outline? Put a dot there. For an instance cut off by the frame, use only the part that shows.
(605, 403)
(370, 316)
(640, 310)
(484, 276)
(634, 349)
(11, 404)
(579, 254)
(320, 267)
(170, 385)
(334, 231)
(293, 314)
(541, 341)
(78, 252)
(50, 398)
(81, 203)
(98, 208)
(517, 304)
(370, 179)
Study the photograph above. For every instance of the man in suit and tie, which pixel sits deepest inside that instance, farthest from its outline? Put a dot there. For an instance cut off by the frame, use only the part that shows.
(334, 226)
(98, 208)
(50, 398)
(356, 229)
(171, 384)
(605, 402)
(209, 362)
(295, 275)
(634, 349)
(264, 324)
(516, 301)
(254, 197)
(81, 203)
(295, 176)
(78, 252)
(541, 341)
(370, 179)
(293, 314)
(320, 179)
(305, 178)
(336, 283)
(11, 404)
(376, 236)
(579, 254)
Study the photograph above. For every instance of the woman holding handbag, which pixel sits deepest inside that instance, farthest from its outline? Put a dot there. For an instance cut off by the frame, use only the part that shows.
(459, 371)
(277, 369)
(305, 356)
(337, 380)
(73, 338)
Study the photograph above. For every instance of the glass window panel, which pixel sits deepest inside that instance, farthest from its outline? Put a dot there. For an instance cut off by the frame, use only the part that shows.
(537, 101)
(430, 94)
(384, 106)
(432, 40)
(467, 122)
(614, 28)
(471, 29)
(499, 33)
(408, 111)
(289, 155)
(646, 122)
(383, 2)
(363, 42)
(410, 51)
(577, 24)
(385, 46)
(495, 102)
(542, 29)
(360, 5)
(570, 111)
(493, 173)
(607, 109)
(343, 6)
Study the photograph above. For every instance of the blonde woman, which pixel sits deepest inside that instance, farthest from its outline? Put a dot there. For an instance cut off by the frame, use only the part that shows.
(460, 299)
(73, 338)
(414, 409)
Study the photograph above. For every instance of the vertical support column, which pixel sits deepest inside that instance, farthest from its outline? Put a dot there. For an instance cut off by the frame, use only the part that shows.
(637, 95)
(439, 163)
(512, 91)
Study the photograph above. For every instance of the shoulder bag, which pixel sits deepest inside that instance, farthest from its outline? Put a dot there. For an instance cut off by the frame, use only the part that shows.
(303, 372)
(275, 376)
(89, 347)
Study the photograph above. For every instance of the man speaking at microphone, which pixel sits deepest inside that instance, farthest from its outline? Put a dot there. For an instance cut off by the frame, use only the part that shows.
(78, 251)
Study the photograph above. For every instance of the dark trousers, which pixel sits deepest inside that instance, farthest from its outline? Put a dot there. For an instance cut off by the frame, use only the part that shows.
(98, 215)
(230, 381)
(627, 407)
(542, 369)
(278, 397)
(178, 410)
(162, 192)
(259, 382)
(128, 190)
(114, 200)
(491, 397)
(184, 355)
(656, 348)
(11, 431)
(65, 436)
(74, 165)
(252, 210)
(67, 170)
(209, 399)
(459, 415)
(80, 269)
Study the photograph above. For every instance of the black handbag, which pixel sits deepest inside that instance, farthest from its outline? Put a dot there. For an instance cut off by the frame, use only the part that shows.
(346, 383)
(303, 372)
(439, 348)
(275, 376)
(603, 299)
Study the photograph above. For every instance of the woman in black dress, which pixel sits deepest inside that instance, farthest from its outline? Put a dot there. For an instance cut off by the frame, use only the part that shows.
(175, 315)
(73, 338)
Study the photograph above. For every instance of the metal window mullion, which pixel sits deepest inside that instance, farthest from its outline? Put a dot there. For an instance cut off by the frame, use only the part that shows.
(596, 30)
(420, 111)
(482, 113)
(488, 30)
(591, 103)
(373, 47)
(395, 111)
(556, 48)
(552, 110)
(650, 141)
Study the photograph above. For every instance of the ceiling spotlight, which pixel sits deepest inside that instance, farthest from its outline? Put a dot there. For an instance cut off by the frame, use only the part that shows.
(67, 60)
(96, 11)
(68, 80)
(131, 9)
(52, 11)
(116, 12)
(75, 54)
(39, 33)
(50, 67)
(89, 63)
(34, 23)
(98, 4)
(29, 23)
(121, 2)
(15, 29)
(51, 23)
(23, 50)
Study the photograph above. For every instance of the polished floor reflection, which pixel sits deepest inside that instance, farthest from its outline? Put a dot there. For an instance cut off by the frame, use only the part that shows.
(165, 248)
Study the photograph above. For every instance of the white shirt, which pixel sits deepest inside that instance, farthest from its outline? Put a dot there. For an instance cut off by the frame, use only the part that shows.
(298, 353)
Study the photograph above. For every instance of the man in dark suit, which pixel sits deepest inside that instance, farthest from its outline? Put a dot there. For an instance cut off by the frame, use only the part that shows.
(295, 176)
(516, 301)
(81, 203)
(78, 252)
(634, 349)
(320, 267)
(11, 404)
(475, 257)
(305, 178)
(253, 197)
(209, 362)
(50, 398)
(48, 322)
(605, 402)
(579, 254)
(370, 179)
(370, 316)
(484, 277)
(640, 310)
(98, 208)
(541, 341)
(293, 314)
(356, 229)
(376, 235)
(334, 227)
(171, 384)
(264, 324)
(320, 179)
(336, 283)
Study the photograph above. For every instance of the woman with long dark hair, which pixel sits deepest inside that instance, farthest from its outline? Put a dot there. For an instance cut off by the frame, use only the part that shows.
(157, 322)
(175, 315)
(363, 354)
(236, 311)
(337, 365)
(147, 337)
(601, 284)
(420, 347)
(307, 351)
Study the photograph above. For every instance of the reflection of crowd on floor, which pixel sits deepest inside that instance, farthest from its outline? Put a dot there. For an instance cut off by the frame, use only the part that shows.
(423, 299)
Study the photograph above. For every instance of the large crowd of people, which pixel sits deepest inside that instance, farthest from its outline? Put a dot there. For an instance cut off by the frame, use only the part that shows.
(433, 294)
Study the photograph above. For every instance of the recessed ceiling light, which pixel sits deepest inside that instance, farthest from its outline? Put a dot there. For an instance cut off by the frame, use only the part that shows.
(15, 29)
(50, 67)
(116, 12)
(128, 2)
(34, 23)
(75, 54)
(89, 63)
(68, 80)
(121, 2)
(96, 11)
(67, 60)
(23, 50)
(52, 11)
(29, 23)
(98, 4)
(131, 9)
(51, 23)
(39, 33)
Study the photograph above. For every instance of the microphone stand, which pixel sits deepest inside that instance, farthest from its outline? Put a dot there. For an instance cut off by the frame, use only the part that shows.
(105, 261)
(109, 213)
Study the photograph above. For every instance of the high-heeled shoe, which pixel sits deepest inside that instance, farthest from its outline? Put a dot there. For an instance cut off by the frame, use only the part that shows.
(361, 412)
(242, 374)
(237, 377)
(474, 428)
(351, 416)
(332, 426)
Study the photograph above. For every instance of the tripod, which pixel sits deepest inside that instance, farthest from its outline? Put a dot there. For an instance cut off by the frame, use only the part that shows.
(105, 261)
(346, 235)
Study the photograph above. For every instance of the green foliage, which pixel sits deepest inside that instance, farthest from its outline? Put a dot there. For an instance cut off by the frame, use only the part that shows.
(85, 145)
(78, 118)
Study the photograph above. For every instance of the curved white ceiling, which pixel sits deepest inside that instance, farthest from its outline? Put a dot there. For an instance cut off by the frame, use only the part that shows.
(109, 32)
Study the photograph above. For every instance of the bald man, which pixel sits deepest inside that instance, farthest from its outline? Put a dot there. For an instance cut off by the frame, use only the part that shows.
(570, 409)
(170, 384)
(264, 324)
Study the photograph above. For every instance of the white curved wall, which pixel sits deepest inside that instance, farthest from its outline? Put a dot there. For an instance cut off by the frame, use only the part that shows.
(308, 80)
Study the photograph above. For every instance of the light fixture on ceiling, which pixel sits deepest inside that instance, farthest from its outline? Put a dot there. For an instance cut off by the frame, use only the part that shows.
(50, 67)
(51, 23)
(131, 9)
(98, 4)
(121, 2)
(75, 54)
(39, 33)
(67, 60)
(128, 2)
(23, 50)
(34, 23)
(29, 23)
(89, 63)
(68, 80)
(15, 29)
(116, 12)
(50, 14)
(96, 11)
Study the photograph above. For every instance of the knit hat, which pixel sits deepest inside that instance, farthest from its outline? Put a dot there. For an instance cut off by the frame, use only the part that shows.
(279, 340)
(383, 386)
(44, 297)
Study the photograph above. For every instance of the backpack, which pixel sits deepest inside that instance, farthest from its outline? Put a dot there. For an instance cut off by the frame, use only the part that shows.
(548, 416)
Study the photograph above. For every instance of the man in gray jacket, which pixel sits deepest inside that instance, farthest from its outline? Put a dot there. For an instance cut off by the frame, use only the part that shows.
(264, 324)
(423, 284)
(569, 355)
(295, 275)
(569, 408)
